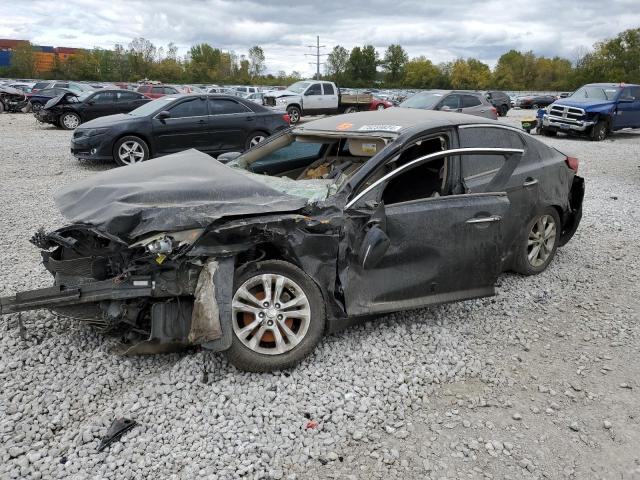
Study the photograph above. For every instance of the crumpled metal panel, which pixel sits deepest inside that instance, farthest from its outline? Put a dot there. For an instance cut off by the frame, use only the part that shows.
(177, 192)
(205, 319)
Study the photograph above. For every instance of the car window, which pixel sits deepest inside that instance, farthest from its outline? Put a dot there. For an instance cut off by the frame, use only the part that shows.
(328, 89)
(469, 101)
(479, 170)
(40, 85)
(314, 89)
(144, 89)
(424, 180)
(125, 96)
(170, 90)
(225, 106)
(630, 93)
(103, 98)
(450, 101)
(61, 85)
(157, 90)
(192, 107)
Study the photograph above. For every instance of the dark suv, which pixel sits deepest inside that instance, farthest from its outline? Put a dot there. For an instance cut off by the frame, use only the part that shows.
(500, 100)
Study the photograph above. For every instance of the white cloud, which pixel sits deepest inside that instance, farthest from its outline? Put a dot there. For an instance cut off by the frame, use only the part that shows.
(441, 30)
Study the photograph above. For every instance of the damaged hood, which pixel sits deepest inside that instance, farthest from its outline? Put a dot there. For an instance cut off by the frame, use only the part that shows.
(63, 98)
(176, 192)
(281, 93)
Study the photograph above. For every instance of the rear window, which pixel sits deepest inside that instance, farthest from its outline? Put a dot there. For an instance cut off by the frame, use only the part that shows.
(225, 106)
(470, 101)
(40, 85)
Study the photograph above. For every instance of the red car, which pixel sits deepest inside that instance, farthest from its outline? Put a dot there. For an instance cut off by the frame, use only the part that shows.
(156, 91)
(380, 104)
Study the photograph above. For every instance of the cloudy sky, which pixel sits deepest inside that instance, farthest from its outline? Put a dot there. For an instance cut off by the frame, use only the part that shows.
(441, 30)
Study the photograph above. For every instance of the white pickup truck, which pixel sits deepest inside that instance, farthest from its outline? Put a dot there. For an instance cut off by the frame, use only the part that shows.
(314, 97)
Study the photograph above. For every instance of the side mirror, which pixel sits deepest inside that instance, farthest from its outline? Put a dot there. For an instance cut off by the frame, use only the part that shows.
(228, 157)
(163, 114)
(445, 108)
(375, 245)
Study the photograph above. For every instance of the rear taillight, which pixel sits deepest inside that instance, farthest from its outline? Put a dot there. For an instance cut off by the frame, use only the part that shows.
(286, 118)
(494, 110)
(572, 163)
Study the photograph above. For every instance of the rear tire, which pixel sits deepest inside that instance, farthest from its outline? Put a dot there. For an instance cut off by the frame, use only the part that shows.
(264, 338)
(350, 110)
(254, 139)
(503, 110)
(538, 246)
(130, 150)
(294, 114)
(548, 133)
(36, 107)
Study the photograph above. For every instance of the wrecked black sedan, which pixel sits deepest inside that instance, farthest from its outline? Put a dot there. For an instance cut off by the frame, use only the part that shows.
(69, 110)
(333, 220)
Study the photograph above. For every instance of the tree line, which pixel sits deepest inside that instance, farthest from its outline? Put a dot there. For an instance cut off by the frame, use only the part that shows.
(613, 60)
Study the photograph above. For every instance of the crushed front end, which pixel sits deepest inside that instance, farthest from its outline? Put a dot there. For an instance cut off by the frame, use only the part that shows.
(150, 292)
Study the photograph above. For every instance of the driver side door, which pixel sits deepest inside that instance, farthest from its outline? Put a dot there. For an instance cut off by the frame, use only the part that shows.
(438, 249)
(313, 101)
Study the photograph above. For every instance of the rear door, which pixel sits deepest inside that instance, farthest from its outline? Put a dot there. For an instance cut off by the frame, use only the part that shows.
(229, 125)
(185, 128)
(473, 106)
(440, 248)
(329, 97)
(127, 101)
(99, 105)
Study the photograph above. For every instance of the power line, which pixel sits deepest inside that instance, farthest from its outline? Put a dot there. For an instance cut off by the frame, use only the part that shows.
(317, 63)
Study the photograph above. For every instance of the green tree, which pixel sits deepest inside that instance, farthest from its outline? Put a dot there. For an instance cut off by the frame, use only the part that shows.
(616, 59)
(23, 61)
(337, 64)
(420, 72)
(256, 61)
(362, 65)
(470, 74)
(395, 59)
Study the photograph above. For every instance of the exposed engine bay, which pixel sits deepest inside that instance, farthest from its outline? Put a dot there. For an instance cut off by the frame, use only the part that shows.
(12, 100)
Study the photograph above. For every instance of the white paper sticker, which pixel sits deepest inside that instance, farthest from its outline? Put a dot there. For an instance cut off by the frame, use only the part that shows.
(380, 128)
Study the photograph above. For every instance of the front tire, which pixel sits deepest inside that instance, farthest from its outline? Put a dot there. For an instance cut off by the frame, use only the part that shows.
(70, 120)
(36, 107)
(294, 114)
(599, 131)
(538, 247)
(380, 106)
(278, 317)
(130, 150)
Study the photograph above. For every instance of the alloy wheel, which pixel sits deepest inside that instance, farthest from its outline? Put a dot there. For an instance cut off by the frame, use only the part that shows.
(294, 116)
(380, 107)
(256, 140)
(271, 314)
(131, 152)
(542, 239)
(70, 121)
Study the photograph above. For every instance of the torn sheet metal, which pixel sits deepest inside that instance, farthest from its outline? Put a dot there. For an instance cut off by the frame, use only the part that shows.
(177, 192)
(205, 320)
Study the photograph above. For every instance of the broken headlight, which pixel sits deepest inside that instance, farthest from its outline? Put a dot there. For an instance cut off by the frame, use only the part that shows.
(165, 243)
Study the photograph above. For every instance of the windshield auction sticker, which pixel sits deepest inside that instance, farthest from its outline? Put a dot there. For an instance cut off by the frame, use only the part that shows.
(380, 128)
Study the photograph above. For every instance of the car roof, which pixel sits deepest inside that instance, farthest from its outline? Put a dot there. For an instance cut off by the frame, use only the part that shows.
(611, 85)
(390, 122)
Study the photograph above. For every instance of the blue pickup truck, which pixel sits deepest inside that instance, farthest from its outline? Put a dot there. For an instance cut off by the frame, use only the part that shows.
(596, 110)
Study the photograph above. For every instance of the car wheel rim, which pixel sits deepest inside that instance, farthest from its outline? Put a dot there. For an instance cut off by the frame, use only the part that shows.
(70, 121)
(271, 314)
(131, 152)
(293, 116)
(542, 239)
(380, 107)
(36, 107)
(256, 140)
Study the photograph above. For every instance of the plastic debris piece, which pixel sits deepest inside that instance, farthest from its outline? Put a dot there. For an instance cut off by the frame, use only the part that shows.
(118, 428)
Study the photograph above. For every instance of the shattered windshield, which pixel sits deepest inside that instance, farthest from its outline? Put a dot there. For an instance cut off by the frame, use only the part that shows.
(308, 166)
(596, 93)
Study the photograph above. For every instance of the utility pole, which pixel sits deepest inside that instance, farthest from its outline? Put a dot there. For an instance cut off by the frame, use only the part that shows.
(317, 63)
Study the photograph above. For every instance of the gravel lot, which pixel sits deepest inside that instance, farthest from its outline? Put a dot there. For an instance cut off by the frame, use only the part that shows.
(540, 381)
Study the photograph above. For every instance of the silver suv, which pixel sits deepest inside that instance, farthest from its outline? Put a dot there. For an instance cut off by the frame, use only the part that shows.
(462, 101)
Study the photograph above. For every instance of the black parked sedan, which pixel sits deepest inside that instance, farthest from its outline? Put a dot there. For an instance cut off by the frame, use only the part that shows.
(213, 124)
(358, 214)
(535, 101)
(70, 109)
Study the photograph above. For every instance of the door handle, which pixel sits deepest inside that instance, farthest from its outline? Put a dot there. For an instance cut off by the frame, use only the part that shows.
(529, 182)
(492, 218)
(251, 118)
